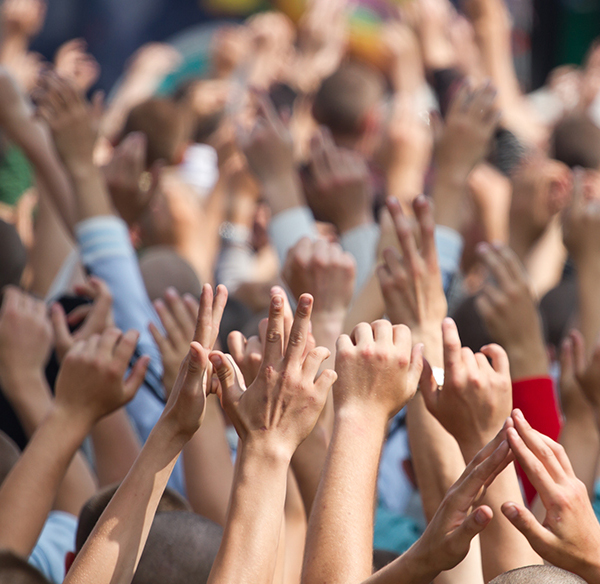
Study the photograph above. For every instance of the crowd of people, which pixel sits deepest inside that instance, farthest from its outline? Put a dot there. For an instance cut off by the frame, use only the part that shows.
(326, 314)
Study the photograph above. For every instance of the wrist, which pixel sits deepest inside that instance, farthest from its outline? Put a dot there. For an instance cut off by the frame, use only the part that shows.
(345, 224)
(528, 360)
(418, 564)
(283, 191)
(328, 323)
(74, 421)
(271, 453)
(360, 417)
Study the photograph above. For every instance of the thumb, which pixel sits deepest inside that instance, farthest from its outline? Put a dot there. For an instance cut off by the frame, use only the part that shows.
(415, 369)
(475, 523)
(524, 520)
(62, 336)
(136, 375)
(428, 387)
(228, 378)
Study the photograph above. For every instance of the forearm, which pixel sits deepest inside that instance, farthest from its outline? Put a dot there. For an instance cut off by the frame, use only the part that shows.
(436, 457)
(308, 462)
(339, 543)
(32, 405)
(27, 494)
(588, 279)
(207, 466)
(112, 551)
(91, 194)
(448, 191)
(116, 446)
(250, 541)
(410, 568)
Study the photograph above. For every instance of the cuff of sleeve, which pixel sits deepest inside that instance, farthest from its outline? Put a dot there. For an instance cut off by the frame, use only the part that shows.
(103, 236)
(536, 398)
(288, 227)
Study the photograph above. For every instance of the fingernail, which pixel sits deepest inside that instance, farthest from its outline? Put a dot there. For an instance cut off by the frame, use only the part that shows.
(480, 517)
(158, 304)
(277, 301)
(170, 291)
(510, 511)
(518, 414)
(482, 247)
(216, 360)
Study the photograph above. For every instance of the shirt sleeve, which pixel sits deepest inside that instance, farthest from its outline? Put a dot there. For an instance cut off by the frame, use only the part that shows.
(106, 252)
(362, 242)
(289, 227)
(538, 401)
(55, 541)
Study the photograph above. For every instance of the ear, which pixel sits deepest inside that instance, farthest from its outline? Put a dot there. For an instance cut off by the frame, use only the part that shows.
(69, 559)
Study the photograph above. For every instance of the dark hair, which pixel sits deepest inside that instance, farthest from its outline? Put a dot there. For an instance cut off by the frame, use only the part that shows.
(91, 511)
(181, 549)
(576, 141)
(538, 574)
(347, 96)
(164, 123)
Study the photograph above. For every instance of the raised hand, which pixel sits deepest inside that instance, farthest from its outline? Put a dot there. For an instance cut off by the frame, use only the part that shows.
(131, 187)
(248, 353)
(72, 120)
(377, 369)
(94, 318)
(90, 382)
(475, 398)
(25, 337)
(268, 144)
(23, 18)
(569, 536)
(73, 62)
(283, 403)
(178, 316)
(406, 149)
(338, 190)
(510, 313)
(471, 120)
(412, 284)
(324, 270)
(459, 518)
(185, 320)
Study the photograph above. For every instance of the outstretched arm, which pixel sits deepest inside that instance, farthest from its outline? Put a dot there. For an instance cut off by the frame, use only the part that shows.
(272, 417)
(378, 372)
(89, 386)
(112, 551)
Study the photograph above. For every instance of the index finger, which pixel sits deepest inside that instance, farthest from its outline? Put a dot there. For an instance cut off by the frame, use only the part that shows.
(452, 344)
(299, 331)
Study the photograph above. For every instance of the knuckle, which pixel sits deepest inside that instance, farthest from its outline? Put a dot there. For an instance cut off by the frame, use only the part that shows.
(273, 336)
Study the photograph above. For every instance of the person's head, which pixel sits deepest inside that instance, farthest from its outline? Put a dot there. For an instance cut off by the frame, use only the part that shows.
(16, 570)
(538, 574)
(91, 511)
(181, 549)
(348, 101)
(9, 454)
(13, 257)
(576, 141)
(162, 267)
(164, 122)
